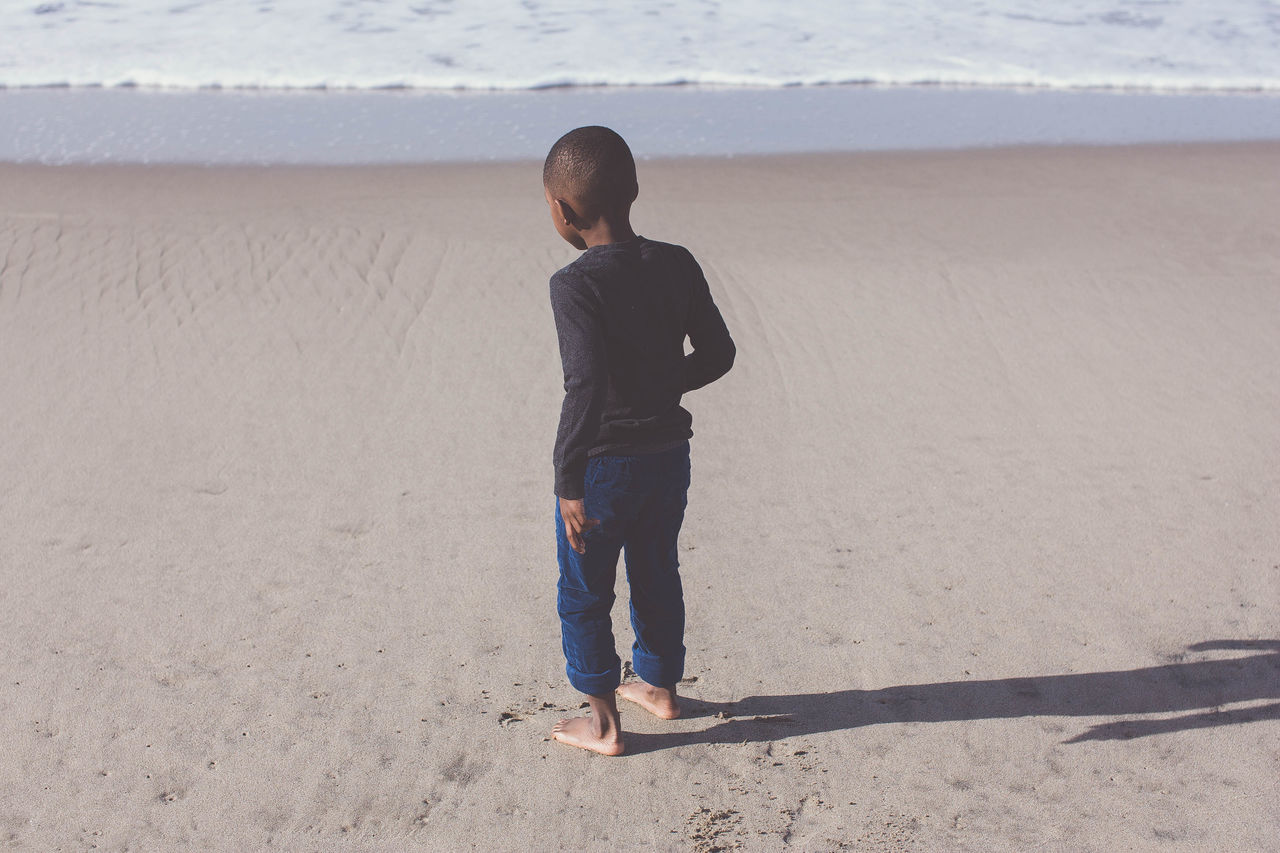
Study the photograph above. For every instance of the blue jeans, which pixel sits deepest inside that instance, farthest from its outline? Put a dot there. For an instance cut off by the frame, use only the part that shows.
(640, 502)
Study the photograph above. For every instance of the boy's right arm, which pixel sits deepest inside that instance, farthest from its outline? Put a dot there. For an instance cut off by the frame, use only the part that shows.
(713, 349)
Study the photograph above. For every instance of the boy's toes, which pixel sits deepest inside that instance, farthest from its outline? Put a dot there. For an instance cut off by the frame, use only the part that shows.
(578, 732)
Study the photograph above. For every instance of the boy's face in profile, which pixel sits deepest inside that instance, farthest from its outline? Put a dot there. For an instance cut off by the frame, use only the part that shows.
(560, 219)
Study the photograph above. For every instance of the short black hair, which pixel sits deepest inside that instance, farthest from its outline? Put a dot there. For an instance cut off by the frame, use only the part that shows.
(594, 166)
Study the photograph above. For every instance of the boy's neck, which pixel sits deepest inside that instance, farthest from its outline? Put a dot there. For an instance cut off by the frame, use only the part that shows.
(608, 229)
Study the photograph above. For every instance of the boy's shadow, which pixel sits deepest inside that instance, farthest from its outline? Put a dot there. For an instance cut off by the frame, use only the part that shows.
(1199, 686)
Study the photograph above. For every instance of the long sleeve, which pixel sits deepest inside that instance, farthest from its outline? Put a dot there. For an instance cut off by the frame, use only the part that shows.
(713, 349)
(586, 380)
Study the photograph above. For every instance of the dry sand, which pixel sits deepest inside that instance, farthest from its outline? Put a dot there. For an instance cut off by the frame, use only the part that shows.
(982, 550)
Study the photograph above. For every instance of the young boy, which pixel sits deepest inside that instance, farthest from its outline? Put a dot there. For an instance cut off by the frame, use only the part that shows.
(622, 310)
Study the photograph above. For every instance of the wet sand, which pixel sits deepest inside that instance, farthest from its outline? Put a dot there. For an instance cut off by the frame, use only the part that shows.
(981, 551)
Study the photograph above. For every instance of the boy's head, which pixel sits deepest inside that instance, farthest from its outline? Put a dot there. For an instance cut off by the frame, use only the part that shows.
(592, 172)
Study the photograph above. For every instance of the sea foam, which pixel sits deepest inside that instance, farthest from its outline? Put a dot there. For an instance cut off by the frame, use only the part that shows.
(487, 44)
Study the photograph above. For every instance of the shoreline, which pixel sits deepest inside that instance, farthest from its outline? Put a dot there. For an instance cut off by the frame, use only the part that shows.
(675, 84)
(345, 127)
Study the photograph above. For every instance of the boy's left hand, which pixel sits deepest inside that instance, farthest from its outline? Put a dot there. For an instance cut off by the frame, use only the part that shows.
(576, 523)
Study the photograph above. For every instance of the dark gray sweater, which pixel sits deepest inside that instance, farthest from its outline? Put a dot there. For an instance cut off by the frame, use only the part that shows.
(622, 312)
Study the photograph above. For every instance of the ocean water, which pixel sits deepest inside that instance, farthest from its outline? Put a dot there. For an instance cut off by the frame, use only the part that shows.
(1216, 45)
(369, 81)
(413, 126)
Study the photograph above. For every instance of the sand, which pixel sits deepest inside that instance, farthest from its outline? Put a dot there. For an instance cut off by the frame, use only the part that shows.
(982, 548)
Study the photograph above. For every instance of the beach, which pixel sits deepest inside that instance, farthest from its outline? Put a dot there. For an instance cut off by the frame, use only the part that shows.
(981, 550)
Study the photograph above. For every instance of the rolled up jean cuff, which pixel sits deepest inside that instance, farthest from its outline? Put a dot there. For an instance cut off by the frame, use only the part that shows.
(660, 672)
(594, 683)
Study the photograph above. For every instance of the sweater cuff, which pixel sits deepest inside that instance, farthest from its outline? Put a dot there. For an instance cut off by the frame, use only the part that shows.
(569, 484)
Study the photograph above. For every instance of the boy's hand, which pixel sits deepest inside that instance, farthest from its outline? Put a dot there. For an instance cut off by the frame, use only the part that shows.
(576, 523)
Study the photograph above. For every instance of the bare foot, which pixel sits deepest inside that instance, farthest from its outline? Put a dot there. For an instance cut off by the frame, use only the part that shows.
(601, 732)
(581, 732)
(659, 701)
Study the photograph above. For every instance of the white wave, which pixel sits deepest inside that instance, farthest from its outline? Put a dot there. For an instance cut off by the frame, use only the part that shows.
(487, 44)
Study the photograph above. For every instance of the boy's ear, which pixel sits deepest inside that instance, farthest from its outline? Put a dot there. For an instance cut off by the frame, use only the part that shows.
(565, 212)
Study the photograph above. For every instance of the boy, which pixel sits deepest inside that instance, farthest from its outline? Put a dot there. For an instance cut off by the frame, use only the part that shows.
(622, 312)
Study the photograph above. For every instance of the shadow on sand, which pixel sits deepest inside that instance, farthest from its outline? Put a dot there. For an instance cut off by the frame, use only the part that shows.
(1198, 686)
